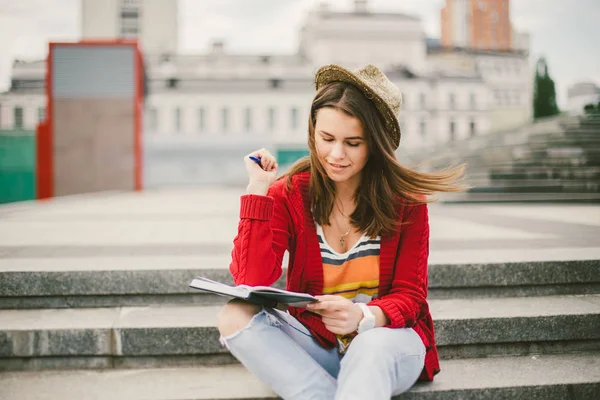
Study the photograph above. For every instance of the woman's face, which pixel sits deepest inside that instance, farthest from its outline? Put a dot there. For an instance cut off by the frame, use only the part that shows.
(341, 145)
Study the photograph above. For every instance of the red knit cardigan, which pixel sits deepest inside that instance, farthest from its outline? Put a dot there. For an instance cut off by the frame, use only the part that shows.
(282, 220)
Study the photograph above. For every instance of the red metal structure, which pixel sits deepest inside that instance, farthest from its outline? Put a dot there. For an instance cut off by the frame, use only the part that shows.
(74, 74)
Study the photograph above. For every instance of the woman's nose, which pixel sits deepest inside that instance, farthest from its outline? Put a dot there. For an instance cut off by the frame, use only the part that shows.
(337, 151)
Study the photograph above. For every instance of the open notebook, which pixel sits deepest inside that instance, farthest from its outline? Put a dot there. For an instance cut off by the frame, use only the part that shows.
(263, 295)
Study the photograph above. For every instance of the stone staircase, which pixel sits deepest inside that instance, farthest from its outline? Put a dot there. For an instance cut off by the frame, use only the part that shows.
(112, 329)
(557, 159)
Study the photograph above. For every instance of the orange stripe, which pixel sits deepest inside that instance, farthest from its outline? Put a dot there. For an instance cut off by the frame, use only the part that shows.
(356, 270)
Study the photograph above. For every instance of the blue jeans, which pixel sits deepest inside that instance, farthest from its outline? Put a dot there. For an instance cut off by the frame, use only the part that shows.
(281, 352)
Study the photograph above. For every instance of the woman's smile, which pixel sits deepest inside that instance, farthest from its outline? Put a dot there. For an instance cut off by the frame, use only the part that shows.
(337, 167)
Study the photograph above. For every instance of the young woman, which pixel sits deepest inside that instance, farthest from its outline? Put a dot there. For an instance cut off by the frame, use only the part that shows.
(355, 224)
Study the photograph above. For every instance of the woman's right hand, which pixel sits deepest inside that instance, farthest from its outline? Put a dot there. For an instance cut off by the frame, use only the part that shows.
(262, 176)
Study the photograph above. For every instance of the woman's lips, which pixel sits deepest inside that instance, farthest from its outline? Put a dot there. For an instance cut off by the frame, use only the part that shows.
(337, 167)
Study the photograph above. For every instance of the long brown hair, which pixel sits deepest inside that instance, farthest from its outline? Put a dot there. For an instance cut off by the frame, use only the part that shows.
(384, 182)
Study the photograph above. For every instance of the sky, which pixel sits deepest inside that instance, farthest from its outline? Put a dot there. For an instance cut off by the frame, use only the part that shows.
(566, 32)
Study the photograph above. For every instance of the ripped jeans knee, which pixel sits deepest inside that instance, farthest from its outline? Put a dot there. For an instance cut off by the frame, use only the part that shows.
(266, 316)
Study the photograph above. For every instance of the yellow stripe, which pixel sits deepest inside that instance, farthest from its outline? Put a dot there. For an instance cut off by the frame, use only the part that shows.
(352, 285)
(351, 295)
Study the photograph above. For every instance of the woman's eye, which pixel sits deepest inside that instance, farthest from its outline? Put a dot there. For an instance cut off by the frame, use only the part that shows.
(354, 144)
(328, 140)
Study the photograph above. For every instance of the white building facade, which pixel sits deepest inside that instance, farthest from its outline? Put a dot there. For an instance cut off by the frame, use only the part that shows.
(436, 108)
(581, 94)
(25, 104)
(508, 76)
(353, 39)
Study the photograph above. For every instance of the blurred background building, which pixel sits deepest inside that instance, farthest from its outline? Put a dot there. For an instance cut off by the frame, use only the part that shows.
(152, 22)
(582, 94)
(449, 92)
(204, 111)
(477, 24)
(480, 32)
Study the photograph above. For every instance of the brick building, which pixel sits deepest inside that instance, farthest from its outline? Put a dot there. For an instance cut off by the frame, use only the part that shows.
(477, 24)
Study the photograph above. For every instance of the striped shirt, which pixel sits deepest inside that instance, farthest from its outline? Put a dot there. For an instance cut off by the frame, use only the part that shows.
(353, 274)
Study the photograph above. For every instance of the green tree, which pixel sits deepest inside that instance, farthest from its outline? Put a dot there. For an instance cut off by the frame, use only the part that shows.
(544, 95)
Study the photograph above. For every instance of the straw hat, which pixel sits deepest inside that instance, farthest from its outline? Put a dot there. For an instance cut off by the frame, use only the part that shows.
(376, 87)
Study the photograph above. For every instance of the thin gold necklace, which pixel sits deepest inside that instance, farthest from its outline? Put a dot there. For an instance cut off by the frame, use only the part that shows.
(343, 237)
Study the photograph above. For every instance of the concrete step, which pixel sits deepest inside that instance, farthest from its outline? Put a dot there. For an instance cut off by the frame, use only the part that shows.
(532, 171)
(524, 186)
(494, 187)
(531, 183)
(142, 281)
(548, 377)
(463, 198)
(187, 335)
(567, 187)
(573, 137)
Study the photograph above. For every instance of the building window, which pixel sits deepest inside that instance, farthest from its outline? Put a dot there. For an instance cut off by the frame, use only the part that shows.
(225, 119)
(472, 129)
(517, 68)
(423, 128)
(178, 119)
(294, 118)
(473, 101)
(152, 119)
(18, 117)
(248, 119)
(41, 114)
(172, 83)
(129, 18)
(405, 101)
(201, 119)
(494, 17)
(516, 98)
(423, 101)
(452, 130)
(451, 101)
(271, 119)
(275, 83)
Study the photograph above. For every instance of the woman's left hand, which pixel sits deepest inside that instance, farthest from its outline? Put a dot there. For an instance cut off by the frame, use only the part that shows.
(340, 315)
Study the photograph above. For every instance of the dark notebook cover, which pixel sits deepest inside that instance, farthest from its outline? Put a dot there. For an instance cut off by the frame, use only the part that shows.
(263, 295)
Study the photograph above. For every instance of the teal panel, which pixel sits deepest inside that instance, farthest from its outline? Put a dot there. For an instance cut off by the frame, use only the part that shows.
(17, 151)
(290, 156)
(17, 186)
(17, 165)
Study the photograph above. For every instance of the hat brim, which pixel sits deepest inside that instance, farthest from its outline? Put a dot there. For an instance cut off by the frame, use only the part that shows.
(335, 73)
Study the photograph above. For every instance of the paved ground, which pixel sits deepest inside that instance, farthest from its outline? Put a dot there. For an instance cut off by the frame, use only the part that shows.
(194, 228)
(186, 223)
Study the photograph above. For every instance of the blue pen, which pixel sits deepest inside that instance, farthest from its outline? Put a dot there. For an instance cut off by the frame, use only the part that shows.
(256, 160)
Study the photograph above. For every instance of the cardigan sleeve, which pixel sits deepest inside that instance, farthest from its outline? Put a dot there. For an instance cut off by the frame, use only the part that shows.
(406, 301)
(262, 238)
